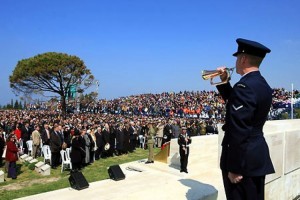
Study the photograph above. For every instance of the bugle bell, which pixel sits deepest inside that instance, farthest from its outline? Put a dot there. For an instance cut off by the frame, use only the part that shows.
(211, 74)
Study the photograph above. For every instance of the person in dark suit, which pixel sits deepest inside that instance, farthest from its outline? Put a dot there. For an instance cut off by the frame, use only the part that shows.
(77, 153)
(106, 136)
(100, 144)
(168, 132)
(119, 139)
(133, 136)
(45, 134)
(126, 138)
(184, 141)
(25, 135)
(55, 146)
(245, 159)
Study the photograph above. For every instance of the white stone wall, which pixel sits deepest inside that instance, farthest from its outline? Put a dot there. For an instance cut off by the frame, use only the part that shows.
(283, 138)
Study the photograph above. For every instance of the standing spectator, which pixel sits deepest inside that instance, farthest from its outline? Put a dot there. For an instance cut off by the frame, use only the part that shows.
(87, 143)
(142, 139)
(184, 141)
(25, 135)
(168, 132)
(106, 136)
(138, 133)
(126, 138)
(112, 141)
(99, 143)
(61, 135)
(245, 158)
(2, 145)
(133, 136)
(67, 136)
(93, 145)
(36, 140)
(11, 156)
(77, 153)
(209, 128)
(55, 146)
(176, 128)
(18, 132)
(45, 134)
(119, 139)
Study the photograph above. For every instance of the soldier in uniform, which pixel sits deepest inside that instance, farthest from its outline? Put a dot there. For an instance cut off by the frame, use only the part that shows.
(150, 141)
(245, 158)
(184, 141)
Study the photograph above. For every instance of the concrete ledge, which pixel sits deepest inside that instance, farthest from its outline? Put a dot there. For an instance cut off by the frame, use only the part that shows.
(156, 181)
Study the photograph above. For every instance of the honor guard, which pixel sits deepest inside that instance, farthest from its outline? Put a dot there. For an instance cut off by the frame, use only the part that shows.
(184, 141)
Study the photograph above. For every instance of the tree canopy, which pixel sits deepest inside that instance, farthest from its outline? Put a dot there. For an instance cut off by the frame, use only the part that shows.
(50, 73)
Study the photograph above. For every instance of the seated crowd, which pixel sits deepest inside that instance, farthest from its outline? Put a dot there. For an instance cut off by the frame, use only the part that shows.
(115, 127)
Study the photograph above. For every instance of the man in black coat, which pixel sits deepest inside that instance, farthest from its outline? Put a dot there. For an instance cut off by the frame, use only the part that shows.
(106, 139)
(55, 146)
(78, 153)
(100, 144)
(168, 132)
(119, 139)
(245, 159)
(25, 135)
(133, 136)
(45, 134)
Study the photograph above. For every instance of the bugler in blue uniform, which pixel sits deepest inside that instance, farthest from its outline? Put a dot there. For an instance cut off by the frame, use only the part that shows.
(245, 158)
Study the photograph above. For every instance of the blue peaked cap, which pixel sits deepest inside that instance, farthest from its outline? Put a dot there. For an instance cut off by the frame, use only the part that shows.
(251, 47)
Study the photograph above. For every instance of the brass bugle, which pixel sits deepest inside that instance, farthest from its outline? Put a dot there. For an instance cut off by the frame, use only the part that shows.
(211, 74)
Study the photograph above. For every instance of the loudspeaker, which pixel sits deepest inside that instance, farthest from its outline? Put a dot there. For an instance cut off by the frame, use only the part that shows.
(116, 173)
(78, 181)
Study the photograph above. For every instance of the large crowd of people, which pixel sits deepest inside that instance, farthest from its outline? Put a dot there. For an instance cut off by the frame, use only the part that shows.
(114, 127)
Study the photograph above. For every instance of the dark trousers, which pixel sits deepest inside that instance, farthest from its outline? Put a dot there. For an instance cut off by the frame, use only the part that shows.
(132, 144)
(55, 159)
(25, 146)
(1, 159)
(92, 156)
(184, 158)
(76, 166)
(248, 189)
(98, 153)
(12, 170)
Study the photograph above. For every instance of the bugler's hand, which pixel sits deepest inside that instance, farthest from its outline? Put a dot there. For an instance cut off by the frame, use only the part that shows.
(223, 71)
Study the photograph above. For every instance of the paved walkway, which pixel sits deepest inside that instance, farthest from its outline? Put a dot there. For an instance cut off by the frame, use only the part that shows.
(156, 181)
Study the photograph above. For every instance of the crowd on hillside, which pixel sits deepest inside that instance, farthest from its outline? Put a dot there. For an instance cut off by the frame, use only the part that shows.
(119, 126)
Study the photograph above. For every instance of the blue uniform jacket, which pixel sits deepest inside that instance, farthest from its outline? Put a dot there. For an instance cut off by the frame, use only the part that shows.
(244, 149)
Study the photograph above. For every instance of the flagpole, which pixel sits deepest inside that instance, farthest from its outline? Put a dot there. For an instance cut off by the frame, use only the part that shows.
(292, 101)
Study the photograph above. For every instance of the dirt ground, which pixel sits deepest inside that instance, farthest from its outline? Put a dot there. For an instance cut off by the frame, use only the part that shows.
(20, 185)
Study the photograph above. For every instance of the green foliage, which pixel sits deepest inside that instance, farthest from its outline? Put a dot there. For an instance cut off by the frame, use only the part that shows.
(51, 73)
(31, 166)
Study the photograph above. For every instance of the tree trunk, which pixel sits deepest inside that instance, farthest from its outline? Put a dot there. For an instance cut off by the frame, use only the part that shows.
(63, 106)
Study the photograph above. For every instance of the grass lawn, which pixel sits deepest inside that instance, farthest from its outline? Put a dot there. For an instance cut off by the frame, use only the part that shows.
(29, 182)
